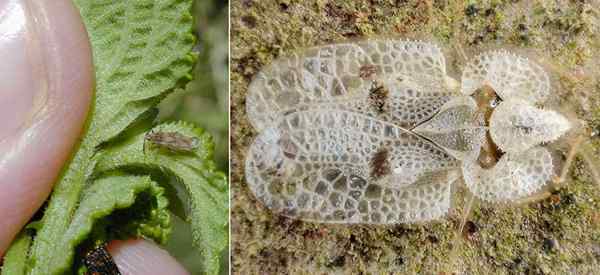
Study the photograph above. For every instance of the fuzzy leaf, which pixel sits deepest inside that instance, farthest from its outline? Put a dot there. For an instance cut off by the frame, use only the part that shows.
(142, 52)
(13, 260)
(102, 198)
(195, 170)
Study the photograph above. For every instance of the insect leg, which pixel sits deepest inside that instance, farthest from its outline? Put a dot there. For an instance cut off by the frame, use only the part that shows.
(466, 212)
(559, 180)
(531, 199)
(592, 162)
(570, 157)
(458, 240)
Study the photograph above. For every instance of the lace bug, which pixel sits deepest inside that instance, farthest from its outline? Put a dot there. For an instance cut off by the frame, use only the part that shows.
(336, 114)
(173, 141)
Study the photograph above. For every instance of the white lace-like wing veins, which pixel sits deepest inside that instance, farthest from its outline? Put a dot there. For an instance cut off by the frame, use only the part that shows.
(398, 81)
(375, 132)
(344, 167)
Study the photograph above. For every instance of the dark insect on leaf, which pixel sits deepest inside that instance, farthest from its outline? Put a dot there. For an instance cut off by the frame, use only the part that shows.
(366, 71)
(172, 140)
(378, 96)
(99, 262)
(380, 163)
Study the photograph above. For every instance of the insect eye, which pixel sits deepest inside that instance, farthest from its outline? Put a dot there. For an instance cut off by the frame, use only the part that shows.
(494, 103)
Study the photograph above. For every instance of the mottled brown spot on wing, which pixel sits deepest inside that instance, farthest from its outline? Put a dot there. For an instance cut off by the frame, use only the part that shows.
(367, 71)
(378, 97)
(380, 164)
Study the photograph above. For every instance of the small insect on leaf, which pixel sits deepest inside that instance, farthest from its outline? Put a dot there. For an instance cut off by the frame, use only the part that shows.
(173, 141)
(99, 262)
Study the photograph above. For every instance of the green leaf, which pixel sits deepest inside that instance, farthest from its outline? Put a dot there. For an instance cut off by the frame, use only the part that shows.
(195, 170)
(102, 198)
(142, 52)
(13, 260)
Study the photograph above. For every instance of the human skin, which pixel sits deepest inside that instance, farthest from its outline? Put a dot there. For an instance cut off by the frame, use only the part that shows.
(45, 93)
(46, 88)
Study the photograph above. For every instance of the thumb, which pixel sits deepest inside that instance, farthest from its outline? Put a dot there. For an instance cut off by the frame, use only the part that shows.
(140, 257)
(46, 79)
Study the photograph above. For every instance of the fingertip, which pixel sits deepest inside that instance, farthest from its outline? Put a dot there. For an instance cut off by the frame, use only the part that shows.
(46, 84)
(137, 257)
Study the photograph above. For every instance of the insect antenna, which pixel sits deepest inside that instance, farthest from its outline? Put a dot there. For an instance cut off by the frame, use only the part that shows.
(581, 145)
(570, 157)
(557, 182)
(583, 139)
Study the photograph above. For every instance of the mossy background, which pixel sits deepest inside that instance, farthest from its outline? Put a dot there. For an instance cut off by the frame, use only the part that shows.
(204, 102)
(559, 234)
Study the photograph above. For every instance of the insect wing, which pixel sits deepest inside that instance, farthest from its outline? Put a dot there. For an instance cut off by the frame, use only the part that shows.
(328, 166)
(413, 71)
(515, 176)
(511, 76)
(458, 127)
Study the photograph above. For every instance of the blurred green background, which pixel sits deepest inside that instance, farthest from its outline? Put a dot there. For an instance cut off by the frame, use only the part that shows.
(204, 101)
